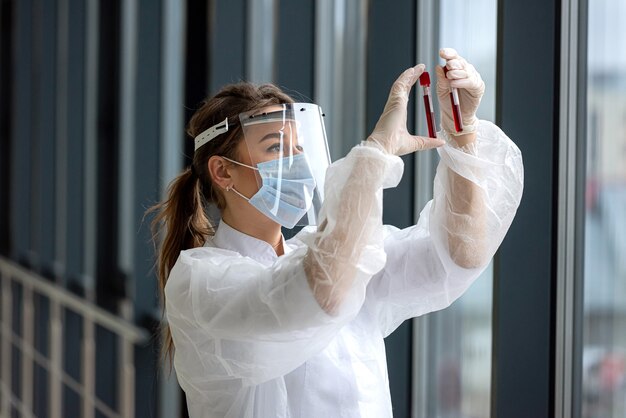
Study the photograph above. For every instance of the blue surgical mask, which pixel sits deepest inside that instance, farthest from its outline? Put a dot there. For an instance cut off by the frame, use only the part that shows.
(287, 190)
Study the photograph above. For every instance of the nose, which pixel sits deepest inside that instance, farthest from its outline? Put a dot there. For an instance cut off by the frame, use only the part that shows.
(296, 149)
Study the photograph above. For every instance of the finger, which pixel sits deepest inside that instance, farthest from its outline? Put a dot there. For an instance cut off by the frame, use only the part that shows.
(408, 78)
(474, 87)
(441, 77)
(429, 143)
(424, 143)
(457, 74)
(448, 53)
(419, 70)
(472, 81)
(401, 88)
(455, 64)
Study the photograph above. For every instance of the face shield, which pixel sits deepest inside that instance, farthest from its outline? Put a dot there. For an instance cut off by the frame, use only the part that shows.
(287, 146)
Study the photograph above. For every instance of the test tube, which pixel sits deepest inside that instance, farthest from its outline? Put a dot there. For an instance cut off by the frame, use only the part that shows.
(428, 104)
(456, 109)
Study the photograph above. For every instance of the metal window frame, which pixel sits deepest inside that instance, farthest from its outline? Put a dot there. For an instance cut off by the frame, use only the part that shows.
(6, 75)
(426, 43)
(171, 146)
(90, 186)
(571, 210)
(60, 256)
(126, 179)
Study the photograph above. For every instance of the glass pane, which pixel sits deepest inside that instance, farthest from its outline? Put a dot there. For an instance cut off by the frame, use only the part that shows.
(604, 334)
(459, 354)
(455, 370)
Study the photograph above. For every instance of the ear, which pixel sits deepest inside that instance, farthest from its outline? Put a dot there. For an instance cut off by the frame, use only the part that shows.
(219, 172)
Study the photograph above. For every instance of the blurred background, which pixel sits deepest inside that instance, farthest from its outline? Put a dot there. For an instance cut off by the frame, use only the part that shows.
(94, 98)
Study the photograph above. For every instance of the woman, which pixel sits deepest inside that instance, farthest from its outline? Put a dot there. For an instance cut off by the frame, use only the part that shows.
(264, 327)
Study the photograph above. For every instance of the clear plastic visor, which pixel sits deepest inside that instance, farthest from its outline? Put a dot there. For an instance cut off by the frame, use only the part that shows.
(287, 144)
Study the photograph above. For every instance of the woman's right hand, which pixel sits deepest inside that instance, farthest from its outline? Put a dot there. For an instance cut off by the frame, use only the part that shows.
(390, 131)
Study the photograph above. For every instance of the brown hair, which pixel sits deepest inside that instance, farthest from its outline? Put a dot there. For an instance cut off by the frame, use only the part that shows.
(181, 221)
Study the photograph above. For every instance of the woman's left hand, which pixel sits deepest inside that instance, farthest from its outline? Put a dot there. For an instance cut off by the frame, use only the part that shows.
(391, 132)
(471, 87)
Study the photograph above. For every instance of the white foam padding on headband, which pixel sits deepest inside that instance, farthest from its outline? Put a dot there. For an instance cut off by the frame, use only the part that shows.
(211, 133)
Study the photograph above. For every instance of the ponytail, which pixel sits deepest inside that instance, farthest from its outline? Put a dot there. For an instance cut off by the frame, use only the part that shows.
(180, 224)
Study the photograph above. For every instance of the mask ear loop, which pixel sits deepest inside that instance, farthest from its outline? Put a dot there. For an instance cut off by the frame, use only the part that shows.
(232, 188)
(242, 164)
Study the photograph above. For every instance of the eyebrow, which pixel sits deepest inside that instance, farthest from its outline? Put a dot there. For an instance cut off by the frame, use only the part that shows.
(269, 136)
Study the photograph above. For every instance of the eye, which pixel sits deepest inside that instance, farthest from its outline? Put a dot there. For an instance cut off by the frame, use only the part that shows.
(275, 148)
(300, 148)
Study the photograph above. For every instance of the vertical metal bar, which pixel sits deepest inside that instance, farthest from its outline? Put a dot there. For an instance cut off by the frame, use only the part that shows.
(27, 344)
(6, 110)
(173, 64)
(426, 44)
(127, 376)
(261, 40)
(60, 255)
(91, 146)
(326, 68)
(56, 358)
(7, 320)
(36, 137)
(564, 315)
(126, 184)
(570, 238)
(420, 365)
(88, 362)
(172, 128)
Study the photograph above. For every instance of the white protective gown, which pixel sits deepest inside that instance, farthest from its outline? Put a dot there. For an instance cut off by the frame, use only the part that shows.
(251, 339)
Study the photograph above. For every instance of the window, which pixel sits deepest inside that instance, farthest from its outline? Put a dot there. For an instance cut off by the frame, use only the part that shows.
(604, 319)
(453, 346)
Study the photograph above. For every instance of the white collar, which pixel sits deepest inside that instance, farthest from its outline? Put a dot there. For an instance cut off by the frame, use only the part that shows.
(229, 238)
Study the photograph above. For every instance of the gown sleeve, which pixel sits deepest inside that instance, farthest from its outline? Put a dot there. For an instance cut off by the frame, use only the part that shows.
(423, 272)
(235, 321)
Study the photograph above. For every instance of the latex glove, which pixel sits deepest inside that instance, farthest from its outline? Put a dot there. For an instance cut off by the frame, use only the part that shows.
(471, 88)
(390, 132)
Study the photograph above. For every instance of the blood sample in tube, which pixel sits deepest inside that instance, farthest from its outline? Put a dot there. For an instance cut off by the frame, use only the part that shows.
(456, 107)
(428, 104)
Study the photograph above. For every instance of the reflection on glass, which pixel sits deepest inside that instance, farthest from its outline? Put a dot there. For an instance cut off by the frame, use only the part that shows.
(458, 339)
(604, 334)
